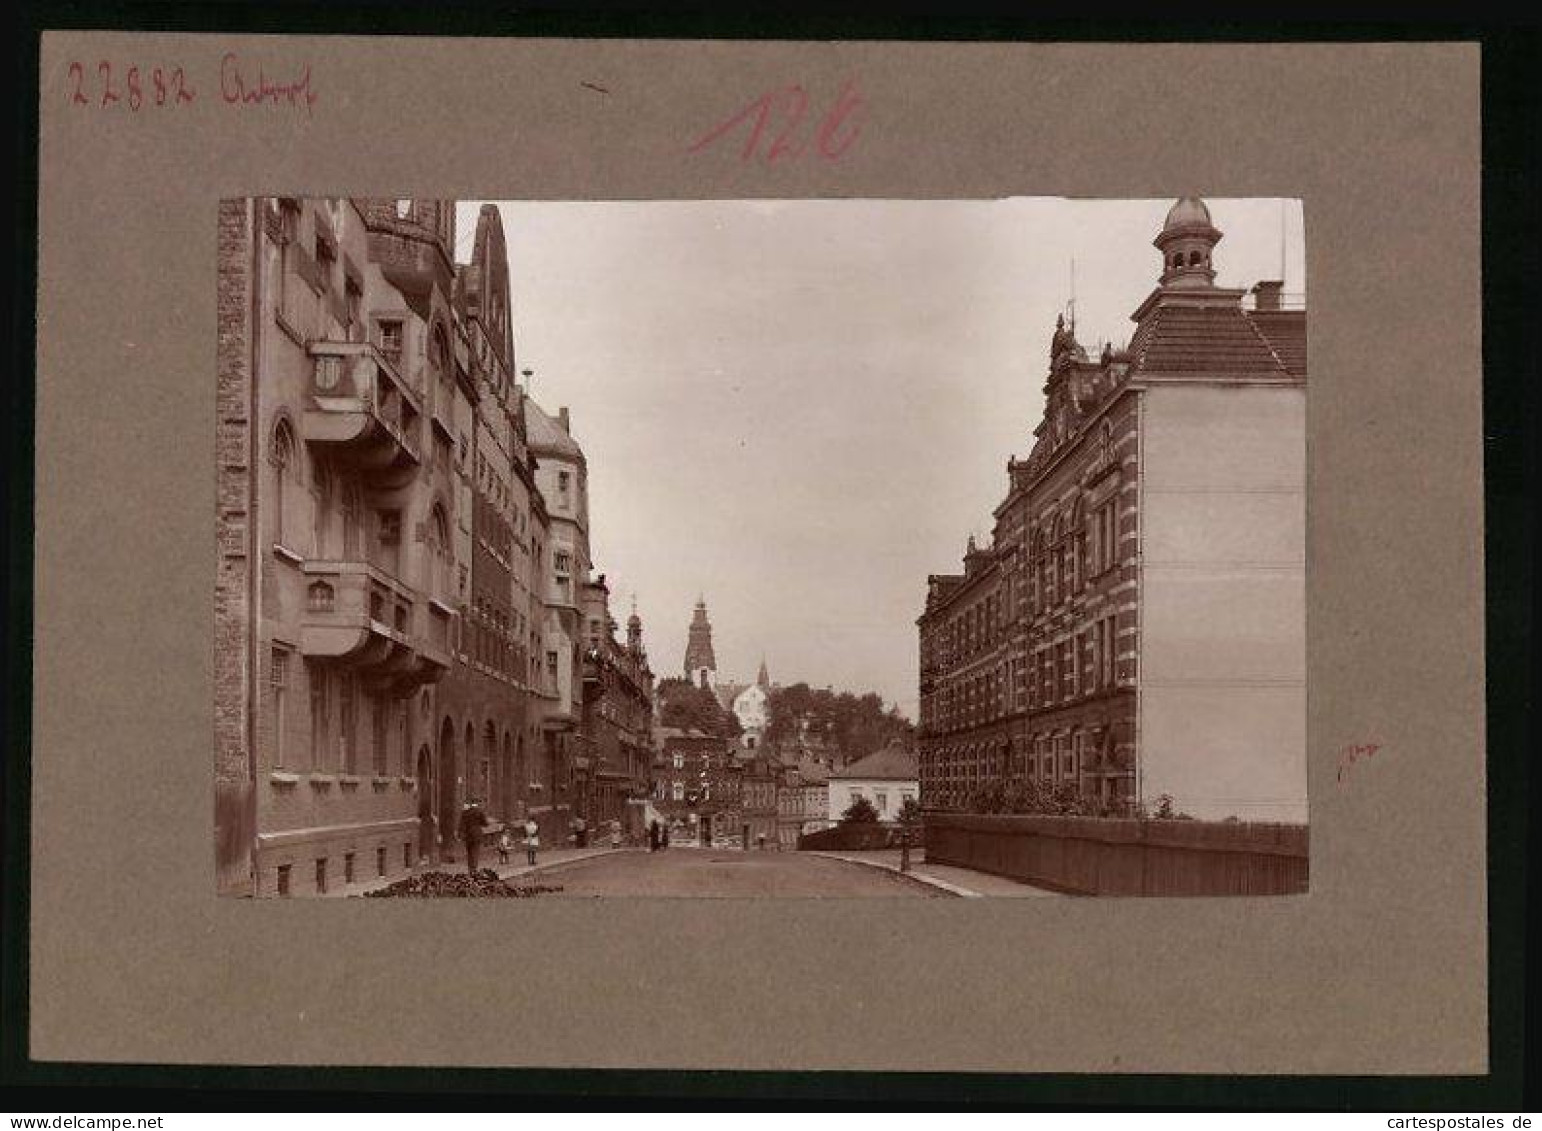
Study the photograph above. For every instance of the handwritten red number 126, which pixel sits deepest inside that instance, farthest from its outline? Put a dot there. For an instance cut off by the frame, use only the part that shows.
(777, 116)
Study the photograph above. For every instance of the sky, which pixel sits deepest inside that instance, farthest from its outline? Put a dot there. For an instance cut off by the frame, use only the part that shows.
(798, 409)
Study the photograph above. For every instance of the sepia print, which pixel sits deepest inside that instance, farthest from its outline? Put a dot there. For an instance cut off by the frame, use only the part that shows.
(897, 549)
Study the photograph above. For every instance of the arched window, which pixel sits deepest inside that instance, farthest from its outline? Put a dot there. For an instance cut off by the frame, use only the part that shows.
(284, 458)
(438, 552)
(1195, 259)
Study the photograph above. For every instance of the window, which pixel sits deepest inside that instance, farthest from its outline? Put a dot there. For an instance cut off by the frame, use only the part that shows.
(278, 680)
(326, 261)
(389, 339)
(380, 861)
(881, 802)
(288, 238)
(381, 733)
(439, 551)
(321, 876)
(348, 868)
(320, 716)
(404, 209)
(354, 295)
(1111, 652)
(283, 879)
(679, 761)
(564, 487)
(678, 791)
(346, 717)
(439, 351)
(283, 457)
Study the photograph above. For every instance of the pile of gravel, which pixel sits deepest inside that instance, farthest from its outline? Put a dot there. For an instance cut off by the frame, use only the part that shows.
(485, 884)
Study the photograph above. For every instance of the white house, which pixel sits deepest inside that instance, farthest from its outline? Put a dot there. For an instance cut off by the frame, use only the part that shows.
(887, 778)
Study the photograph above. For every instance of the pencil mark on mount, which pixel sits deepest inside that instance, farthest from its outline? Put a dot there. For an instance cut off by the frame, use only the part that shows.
(592, 86)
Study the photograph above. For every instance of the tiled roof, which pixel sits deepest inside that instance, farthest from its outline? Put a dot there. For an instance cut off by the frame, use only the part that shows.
(892, 763)
(545, 435)
(1285, 331)
(1202, 340)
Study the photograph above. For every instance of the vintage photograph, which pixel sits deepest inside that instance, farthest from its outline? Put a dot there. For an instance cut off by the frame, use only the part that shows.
(760, 548)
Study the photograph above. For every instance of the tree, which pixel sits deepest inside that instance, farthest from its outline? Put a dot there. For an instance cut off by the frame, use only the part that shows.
(910, 812)
(686, 706)
(860, 812)
(856, 725)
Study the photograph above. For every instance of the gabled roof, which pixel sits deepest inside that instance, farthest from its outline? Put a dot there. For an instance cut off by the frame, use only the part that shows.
(1208, 339)
(545, 436)
(892, 763)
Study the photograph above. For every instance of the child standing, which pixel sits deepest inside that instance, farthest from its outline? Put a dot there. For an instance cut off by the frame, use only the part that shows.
(532, 839)
(505, 844)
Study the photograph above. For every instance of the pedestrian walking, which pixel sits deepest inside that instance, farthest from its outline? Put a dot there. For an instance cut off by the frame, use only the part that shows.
(472, 821)
(615, 834)
(532, 839)
(653, 835)
(505, 844)
(580, 833)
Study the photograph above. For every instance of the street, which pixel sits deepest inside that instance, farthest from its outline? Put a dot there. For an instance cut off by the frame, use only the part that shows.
(727, 874)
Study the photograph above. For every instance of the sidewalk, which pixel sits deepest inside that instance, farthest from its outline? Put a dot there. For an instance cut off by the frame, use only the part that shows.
(516, 868)
(960, 881)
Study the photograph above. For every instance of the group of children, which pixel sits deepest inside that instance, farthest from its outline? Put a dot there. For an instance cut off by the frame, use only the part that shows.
(532, 840)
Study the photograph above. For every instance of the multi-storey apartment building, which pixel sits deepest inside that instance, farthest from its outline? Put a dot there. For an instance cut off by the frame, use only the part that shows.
(1137, 627)
(617, 733)
(390, 601)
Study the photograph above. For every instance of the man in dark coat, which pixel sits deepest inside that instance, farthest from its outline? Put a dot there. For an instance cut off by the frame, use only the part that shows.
(472, 820)
(653, 836)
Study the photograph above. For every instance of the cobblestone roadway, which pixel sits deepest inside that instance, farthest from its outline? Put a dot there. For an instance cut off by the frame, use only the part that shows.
(728, 873)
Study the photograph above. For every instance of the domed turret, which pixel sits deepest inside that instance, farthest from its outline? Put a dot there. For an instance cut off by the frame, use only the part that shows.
(1186, 241)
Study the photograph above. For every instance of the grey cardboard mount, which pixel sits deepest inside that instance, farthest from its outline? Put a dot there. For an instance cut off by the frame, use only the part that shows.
(1380, 969)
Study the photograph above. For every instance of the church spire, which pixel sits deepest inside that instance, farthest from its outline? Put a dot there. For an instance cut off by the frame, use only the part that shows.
(763, 679)
(700, 663)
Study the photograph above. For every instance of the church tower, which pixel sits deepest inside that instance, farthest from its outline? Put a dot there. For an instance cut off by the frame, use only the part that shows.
(700, 664)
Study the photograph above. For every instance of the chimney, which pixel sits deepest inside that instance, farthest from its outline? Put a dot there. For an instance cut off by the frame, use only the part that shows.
(562, 417)
(1266, 296)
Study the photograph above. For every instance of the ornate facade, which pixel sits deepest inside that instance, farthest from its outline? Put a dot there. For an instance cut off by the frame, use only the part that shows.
(395, 607)
(1136, 627)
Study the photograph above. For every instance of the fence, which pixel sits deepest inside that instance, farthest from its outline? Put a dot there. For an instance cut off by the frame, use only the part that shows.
(1113, 856)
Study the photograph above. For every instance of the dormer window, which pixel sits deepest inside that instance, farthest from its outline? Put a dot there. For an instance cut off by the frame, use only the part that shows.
(404, 209)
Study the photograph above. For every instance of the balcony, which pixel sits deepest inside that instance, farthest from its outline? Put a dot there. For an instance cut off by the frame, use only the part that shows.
(363, 407)
(595, 668)
(362, 618)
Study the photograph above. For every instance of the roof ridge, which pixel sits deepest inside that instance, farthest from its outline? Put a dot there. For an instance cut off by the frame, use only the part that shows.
(1262, 337)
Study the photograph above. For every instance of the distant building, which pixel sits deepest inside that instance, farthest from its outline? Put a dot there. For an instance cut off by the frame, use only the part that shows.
(1137, 625)
(613, 769)
(803, 805)
(695, 784)
(751, 706)
(760, 784)
(887, 778)
(700, 662)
